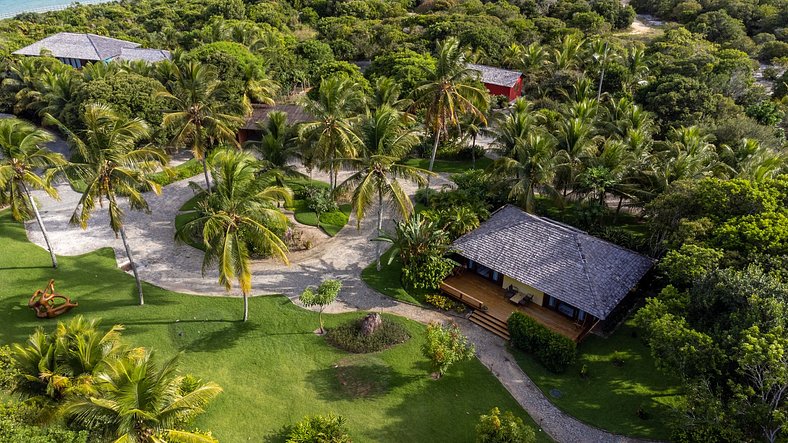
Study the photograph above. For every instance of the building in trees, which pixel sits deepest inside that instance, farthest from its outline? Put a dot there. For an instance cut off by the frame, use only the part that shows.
(77, 50)
(561, 277)
(500, 81)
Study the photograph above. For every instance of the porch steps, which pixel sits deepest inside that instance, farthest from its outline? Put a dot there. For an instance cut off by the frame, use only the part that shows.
(490, 323)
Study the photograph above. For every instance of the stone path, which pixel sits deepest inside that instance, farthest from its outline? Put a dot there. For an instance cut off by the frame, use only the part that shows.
(177, 267)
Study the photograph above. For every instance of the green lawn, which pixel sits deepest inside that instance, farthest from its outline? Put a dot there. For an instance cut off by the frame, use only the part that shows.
(612, 394)
(388, 281)
(449, 166)
(330, 222)
(272, 368)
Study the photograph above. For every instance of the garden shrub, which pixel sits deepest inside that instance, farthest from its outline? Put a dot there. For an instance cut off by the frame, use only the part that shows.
(445, 346)
(553, 351)
(442, 302)
(503, 428)
(426, 272)
(17, 426)
(328, 429)
(8, 372)
(348, 336)
(334, 218)
(319, 200)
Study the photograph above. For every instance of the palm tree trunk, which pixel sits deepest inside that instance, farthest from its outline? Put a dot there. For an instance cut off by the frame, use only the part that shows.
(380, 226)
(41, 225)
(434, 153)
(132, 264)
(618, 208)
(473, 152)
(205, 173)
(246, 306)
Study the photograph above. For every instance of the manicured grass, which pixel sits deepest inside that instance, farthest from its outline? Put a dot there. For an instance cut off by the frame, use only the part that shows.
(449, 166)
(330, 222)
(388, 280)
(611, 395)
(273, 369)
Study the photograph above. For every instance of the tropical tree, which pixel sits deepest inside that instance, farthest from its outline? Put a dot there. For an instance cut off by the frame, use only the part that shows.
(136, 400)
(386, 140)
(238, 219)
(22, 153)
(66, 360)
(331, 133)
(687, 154)
(513, 125)
(324, 295)
(753, 161)
(113, 165)
(530, 167)
(574, 136)
(277, 146)
(449, 91)
(198, 112)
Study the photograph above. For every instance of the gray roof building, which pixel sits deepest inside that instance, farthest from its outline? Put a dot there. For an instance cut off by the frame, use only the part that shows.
(563, 262)
(76, 49)
(295, 115)
(144, 54)
(496, 76)
(78, 46)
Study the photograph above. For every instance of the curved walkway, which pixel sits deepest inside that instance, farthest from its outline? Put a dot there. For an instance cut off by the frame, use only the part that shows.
(177, 267)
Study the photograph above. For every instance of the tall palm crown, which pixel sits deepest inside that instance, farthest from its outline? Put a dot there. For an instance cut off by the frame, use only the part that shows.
(137, 401)
(335, 110)
(198, 112)
(22, 153)
(449, 90)
(688, 154)
(234, 221)
(513, 125)
(277, 146)
(114, 165)
(530, 167)
(387, 140)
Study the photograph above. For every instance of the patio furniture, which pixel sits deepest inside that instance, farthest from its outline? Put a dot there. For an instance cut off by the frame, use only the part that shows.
(44, 305)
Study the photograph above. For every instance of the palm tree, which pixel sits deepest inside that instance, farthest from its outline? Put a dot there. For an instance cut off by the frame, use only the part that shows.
(449, 91)
(569, 55)
(136, 400)
(277, 146)
(331, 134)
(386, 141)
(60, 93)
(688, 154)
(234, 221)
(515, 124)
(752, 161)
(66, 360)
(414, 237)
(198, 111)
(574, 141)
(258, 88)
(22, 153)
(529, 168)
(114, 165)
(387, 92)
(636, 62)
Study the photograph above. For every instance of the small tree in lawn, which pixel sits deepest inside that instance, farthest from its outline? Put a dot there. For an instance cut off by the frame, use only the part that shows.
(446, 345)
(503, 428)
(324, 295)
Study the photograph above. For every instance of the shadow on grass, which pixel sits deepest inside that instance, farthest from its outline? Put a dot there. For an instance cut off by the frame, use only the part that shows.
(357, 377)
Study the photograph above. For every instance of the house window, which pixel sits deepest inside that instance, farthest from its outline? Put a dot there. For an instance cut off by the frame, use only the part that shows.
(551, 301)
(566, 309)
(581, 315)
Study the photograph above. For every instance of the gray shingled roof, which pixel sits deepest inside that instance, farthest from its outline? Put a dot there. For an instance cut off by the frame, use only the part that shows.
(496, 76)
(144, 54)
(563, 262)
(295, 115)
(78, 46)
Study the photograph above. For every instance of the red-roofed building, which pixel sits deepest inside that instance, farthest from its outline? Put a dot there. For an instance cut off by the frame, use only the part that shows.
(500, 81)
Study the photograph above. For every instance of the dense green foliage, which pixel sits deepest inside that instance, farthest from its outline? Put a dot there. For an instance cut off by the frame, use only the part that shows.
(502, 428)
(554, 351)
(446, 346)
(328, 429)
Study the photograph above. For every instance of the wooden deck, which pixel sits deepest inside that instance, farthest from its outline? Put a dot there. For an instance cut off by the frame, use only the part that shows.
(477, 292)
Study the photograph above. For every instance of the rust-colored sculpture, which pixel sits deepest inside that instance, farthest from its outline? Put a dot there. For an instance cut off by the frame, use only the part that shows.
(43, 302)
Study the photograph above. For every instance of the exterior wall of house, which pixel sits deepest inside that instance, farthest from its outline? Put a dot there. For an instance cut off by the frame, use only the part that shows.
(522, 287)
(511, 93)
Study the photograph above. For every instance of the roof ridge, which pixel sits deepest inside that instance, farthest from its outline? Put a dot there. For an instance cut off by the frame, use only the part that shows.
(583, 260)
(90, 39)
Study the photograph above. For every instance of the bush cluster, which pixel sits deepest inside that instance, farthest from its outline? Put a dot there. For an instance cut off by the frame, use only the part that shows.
(349, 337)
(443, 302)
(553, 351)
(328, 429)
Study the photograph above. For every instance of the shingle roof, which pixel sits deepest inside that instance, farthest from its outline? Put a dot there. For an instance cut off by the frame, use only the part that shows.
(144, 54)
(295, 115)
(78, 46)
(561, 261)
(496, 76)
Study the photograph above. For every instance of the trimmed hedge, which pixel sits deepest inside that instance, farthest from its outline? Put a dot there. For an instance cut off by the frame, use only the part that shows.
(553, 351)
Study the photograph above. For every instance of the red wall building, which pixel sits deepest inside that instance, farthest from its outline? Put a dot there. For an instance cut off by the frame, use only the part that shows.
(500, 81)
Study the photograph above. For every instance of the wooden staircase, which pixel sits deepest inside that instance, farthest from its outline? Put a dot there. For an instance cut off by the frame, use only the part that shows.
(490, 323)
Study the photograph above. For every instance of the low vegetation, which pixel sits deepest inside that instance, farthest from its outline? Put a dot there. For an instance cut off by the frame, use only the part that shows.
(352, 338)
(554, 351)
